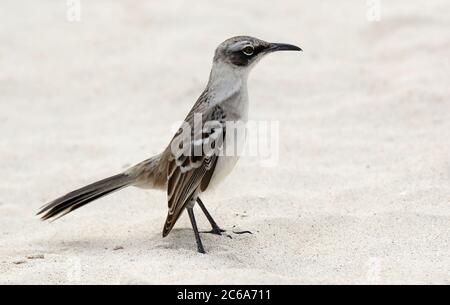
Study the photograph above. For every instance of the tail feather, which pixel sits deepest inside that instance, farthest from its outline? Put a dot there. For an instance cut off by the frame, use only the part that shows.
(78, 198)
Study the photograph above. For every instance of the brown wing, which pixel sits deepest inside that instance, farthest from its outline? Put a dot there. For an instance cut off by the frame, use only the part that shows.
(182, 188)
(191, 167)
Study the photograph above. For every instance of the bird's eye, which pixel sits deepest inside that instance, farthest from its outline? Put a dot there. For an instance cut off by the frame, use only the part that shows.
(248, 50)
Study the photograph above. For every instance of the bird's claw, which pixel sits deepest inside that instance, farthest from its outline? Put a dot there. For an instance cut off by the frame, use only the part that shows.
(216, 231)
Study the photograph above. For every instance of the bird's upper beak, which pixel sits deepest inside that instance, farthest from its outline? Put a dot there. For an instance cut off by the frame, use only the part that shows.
(273, 47)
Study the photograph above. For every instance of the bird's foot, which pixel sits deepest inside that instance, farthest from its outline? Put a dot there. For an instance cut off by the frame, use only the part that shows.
(200, 249)
(216, 231)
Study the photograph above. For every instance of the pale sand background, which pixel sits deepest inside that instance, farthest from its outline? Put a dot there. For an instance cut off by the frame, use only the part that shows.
(362, 190)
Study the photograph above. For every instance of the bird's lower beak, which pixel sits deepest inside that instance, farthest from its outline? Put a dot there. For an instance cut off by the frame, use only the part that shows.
(273, 47)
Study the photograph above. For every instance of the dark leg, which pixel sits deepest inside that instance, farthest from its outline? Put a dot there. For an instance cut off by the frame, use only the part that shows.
(215, 228)
(200, 248)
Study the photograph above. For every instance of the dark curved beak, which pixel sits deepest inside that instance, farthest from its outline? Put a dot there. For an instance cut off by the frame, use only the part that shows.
(274, 47)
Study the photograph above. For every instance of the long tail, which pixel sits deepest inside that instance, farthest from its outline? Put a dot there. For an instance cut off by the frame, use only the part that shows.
(73, 200)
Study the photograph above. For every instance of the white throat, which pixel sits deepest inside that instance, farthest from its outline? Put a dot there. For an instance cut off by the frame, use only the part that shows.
(225, 81)
(227, 87)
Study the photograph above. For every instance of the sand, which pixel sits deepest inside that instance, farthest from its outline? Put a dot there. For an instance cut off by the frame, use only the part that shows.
(360, 192)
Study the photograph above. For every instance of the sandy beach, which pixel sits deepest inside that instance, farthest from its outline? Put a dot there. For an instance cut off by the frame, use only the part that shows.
(360, 191)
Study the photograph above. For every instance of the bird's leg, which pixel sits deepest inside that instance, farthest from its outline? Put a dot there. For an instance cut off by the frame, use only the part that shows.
(215, 228)
(200, 248)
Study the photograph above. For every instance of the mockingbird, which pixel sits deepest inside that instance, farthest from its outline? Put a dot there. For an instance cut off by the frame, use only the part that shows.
(185, 169)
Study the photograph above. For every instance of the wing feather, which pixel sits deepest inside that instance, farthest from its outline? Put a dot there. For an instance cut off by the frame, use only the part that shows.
(187, 175)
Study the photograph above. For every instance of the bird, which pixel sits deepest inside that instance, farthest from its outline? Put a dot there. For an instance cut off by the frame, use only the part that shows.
(185, 169)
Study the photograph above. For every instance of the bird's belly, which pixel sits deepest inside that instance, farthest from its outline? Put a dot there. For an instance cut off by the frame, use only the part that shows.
(230, 152)
(224, 166)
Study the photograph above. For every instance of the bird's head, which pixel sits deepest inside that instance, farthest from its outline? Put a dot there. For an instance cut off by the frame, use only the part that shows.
(243, 52)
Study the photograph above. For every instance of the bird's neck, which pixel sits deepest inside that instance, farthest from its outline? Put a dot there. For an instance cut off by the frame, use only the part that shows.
(226, 81)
